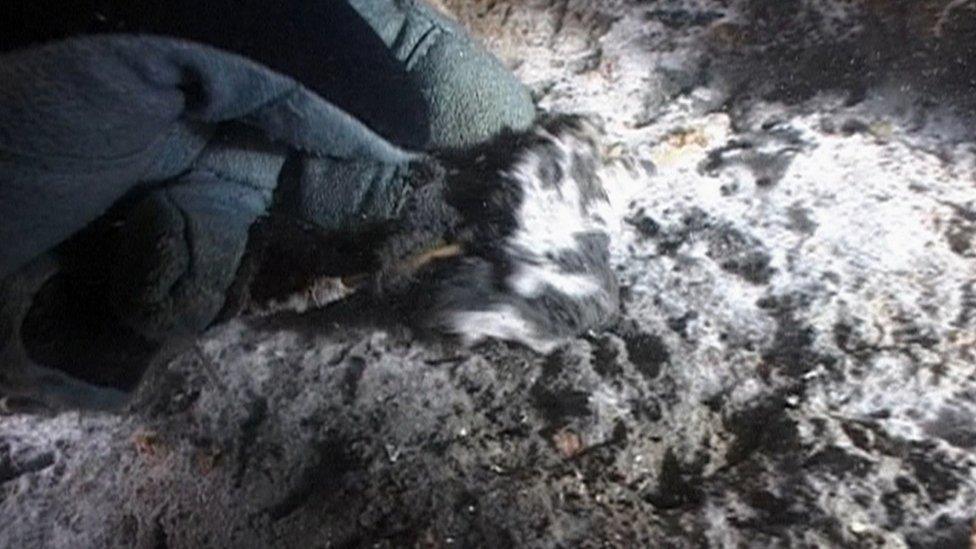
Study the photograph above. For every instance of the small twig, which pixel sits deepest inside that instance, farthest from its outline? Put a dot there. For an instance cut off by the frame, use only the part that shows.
(326, 290)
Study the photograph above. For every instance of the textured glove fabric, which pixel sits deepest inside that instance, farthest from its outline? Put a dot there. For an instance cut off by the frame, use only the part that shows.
(182, 243)
(84, 121)
(470, 95)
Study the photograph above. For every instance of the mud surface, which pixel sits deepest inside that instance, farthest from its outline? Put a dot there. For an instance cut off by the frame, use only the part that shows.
(795, 365)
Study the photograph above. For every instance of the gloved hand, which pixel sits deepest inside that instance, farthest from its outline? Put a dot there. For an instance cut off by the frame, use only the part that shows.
(207, 132)
(196, 139)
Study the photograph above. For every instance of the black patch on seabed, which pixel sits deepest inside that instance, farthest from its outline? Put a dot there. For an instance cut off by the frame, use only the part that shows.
(839, 463)
(647, 352)
(695, 223)
(792, 350)
(676, 487)
(961, 234)
(554, 396)
(355, 367)
(946, 533)
(12, 466)
(853, 126)
(740, 254)
(257, 413)
(778, 512)
(768, 168)
(765, 428)
(935, 474)
(680, 323)
(967, 309)
(644, 224)
(682, 18)
(800, 220)
(605, 357)
(735, 251)
(320, 480)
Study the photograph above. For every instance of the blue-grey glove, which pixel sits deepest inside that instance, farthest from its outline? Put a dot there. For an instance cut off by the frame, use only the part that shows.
(84, 121)
(470, 96)
(196, 137)
(466, 96)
